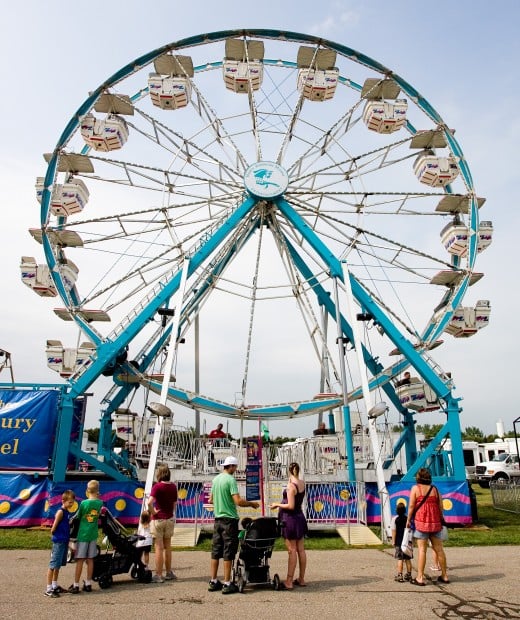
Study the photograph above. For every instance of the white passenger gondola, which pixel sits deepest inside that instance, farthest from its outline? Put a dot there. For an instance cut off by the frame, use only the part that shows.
(417, 396)
(317, 75)
(455, 237)
(243, 68)
(66, 361)
(67, 198)
(104, 134)
(37, 277)
(467, 321)
(385, 116)
(170, 85)
(436, 171)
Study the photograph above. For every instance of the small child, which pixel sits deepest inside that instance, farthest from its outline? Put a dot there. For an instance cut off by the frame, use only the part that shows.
(245, 523)
(398, 527)
(145, 544)
(60, 534)
(86, 547)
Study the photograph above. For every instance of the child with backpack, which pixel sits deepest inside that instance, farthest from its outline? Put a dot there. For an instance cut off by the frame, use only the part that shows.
(398, 527)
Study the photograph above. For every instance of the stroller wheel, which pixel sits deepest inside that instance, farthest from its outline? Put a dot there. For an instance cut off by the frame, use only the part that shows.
(276, 582)
(105, 581)
(145, 576)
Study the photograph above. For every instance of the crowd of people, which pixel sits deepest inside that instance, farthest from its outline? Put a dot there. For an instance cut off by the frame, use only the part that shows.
(425, 519)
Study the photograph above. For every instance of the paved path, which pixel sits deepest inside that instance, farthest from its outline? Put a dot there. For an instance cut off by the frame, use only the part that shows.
(355, 584)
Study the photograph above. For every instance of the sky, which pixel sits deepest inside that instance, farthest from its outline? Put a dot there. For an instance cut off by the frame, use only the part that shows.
(461, 56)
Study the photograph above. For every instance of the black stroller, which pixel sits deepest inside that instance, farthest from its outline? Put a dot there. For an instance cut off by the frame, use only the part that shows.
(256, 547)
(123, 556)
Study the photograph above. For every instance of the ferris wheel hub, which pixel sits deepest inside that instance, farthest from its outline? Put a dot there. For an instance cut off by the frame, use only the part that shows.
(266, 179)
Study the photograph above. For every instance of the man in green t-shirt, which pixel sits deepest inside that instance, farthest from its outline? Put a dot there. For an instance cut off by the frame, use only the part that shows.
(225, 499)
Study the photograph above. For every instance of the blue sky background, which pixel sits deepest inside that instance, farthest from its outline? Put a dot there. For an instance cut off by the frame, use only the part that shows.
(462, 56)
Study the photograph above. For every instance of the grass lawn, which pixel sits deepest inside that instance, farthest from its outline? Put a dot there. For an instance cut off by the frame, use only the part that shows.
(494, 527)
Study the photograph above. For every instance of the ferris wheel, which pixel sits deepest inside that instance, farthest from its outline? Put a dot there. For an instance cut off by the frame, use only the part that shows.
(253, 185)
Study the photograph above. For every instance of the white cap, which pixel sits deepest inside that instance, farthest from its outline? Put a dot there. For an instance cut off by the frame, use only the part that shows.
(230, 460)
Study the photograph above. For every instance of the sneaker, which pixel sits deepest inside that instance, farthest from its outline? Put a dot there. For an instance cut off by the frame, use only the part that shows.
(229, 589)
(59, 590)
(51, 594)
(157, 579)
(170, 575)
(86, 588)
(214, 586)
(73, 589)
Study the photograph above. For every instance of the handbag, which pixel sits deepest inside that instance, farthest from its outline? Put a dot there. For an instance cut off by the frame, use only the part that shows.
(407, 542)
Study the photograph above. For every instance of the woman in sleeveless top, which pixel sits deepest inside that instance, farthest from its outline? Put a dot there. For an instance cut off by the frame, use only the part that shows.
(294, 527)
(428, 520)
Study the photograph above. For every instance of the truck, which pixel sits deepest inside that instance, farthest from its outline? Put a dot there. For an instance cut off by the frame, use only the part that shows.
(503, 467)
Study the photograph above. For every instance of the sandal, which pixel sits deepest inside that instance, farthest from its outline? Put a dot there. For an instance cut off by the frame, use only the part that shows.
(441, 580)
(296, 582)
(417, 583)
(282, 586)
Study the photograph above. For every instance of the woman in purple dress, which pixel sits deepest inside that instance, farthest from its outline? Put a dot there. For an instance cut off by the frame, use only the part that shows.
(294, 527)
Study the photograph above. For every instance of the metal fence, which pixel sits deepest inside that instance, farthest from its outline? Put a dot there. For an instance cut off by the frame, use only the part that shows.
(506, 496)
(326, 505)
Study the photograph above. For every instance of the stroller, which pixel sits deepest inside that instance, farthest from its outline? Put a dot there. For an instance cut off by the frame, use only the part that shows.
(256, 547)
(123, 557)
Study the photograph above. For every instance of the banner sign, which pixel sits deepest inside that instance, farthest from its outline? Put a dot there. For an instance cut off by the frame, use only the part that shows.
(253, 470)
(27, 428)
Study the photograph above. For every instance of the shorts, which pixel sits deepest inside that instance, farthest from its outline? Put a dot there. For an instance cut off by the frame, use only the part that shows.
(225, 539)
(86, 550)
(58, 555)
(162, 528)
(427, 535)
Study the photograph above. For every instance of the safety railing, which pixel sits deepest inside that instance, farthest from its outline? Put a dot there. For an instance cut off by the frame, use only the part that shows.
(506, 495)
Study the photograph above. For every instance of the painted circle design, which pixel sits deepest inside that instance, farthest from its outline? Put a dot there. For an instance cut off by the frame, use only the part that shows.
(5, 507)
(120, 504)
(25, 494)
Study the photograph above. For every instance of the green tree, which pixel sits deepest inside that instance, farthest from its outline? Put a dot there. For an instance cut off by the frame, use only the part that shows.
(93, 436)
(472, 433)
(428, 430)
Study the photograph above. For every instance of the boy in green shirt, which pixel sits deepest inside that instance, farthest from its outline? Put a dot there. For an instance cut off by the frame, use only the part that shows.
(88, 513)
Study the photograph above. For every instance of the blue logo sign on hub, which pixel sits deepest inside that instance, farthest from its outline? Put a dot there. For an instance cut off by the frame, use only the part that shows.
(266, 179)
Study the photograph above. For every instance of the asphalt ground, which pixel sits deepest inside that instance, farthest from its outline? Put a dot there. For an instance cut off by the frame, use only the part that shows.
(354, 583)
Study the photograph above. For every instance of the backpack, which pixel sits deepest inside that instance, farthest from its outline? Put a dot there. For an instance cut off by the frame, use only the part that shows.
(74, 525)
